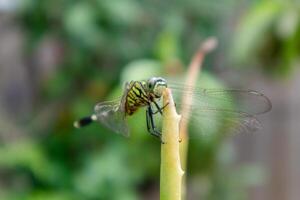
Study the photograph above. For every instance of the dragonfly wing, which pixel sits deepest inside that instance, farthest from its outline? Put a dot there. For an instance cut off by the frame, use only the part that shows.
(220, 110)
(110, 115)
(209, 121)
(247, 101)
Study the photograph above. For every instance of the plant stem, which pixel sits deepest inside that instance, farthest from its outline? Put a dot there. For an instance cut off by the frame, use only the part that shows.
(170, 171)
(191, 78)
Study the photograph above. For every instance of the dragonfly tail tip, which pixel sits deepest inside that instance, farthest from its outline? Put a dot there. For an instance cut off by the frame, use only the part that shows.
(76, 124)
(94, 117)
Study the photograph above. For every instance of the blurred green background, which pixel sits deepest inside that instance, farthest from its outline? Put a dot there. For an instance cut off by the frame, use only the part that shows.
(59, 58)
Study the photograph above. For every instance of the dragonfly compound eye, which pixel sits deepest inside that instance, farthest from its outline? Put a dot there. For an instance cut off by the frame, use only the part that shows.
(151, 83)
(158, 85)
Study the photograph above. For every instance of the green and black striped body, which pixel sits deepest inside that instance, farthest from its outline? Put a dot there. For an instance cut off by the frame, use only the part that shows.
(137, 96)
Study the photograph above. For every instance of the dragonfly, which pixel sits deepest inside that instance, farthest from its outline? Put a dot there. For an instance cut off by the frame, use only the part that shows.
(214, 107)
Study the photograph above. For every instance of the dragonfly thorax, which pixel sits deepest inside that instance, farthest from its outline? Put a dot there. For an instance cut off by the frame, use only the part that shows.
(142, 93)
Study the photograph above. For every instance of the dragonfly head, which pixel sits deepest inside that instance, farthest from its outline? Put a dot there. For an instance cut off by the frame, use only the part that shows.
(156, 86)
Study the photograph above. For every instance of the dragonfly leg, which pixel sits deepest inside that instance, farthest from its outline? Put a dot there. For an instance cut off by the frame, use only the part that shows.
(151, 125)
(159, 109)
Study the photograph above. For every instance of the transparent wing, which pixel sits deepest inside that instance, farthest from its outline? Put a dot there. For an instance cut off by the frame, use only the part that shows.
(248, 101)
(215, 110)
(208, 121)
(112, 116)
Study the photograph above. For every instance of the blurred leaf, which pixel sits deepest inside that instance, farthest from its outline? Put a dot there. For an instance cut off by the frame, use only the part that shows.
(288, 22)
(80, 22)
(141, 70)
(167, 48)
(253, 28)
(121, 12)
(106, 175)
(49, 195)
(29, 155)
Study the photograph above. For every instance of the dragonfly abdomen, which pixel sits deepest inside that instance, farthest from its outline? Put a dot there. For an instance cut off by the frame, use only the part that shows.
(85, 121)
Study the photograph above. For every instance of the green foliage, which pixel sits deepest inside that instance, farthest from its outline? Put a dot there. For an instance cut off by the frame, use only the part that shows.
(101, 175)
(254, 28)
(268, 35)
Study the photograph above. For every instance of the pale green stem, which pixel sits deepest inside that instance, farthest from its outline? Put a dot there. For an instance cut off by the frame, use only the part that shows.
(170, 170)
